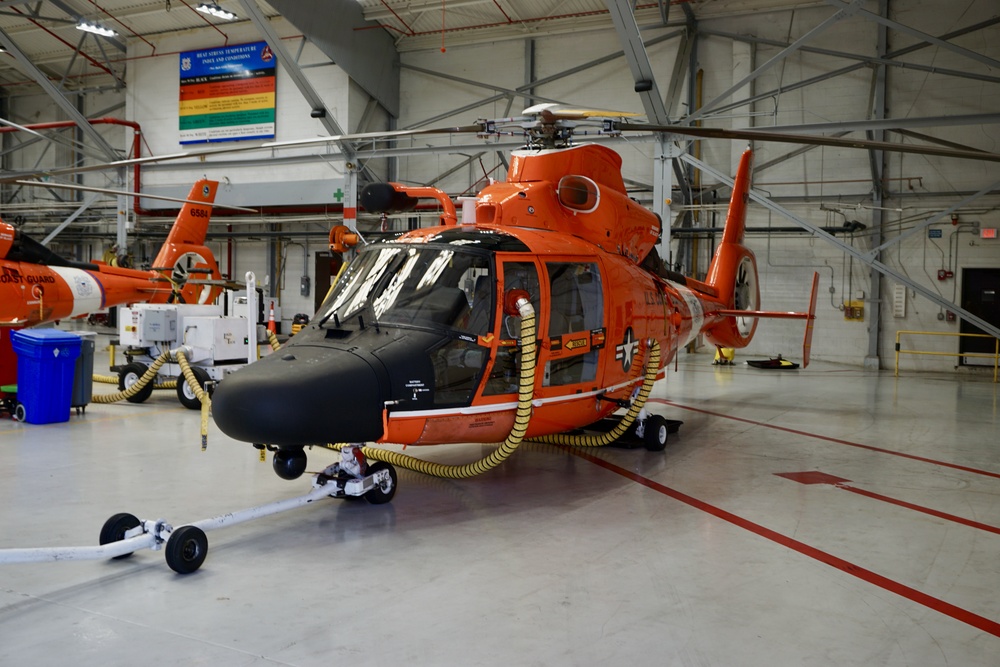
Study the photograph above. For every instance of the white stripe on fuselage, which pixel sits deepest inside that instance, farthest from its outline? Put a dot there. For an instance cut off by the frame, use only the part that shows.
(500, 407)
(697, 314)
(85, 289)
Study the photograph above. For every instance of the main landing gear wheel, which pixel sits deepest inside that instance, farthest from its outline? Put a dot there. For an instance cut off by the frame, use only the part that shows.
(184, 393)
(114, 530)
(655, 435)
(130, 375)
(289, 462)
(186, 549)
(382, 493)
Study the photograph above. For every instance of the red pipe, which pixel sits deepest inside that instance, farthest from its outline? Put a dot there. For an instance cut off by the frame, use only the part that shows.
(136, 141)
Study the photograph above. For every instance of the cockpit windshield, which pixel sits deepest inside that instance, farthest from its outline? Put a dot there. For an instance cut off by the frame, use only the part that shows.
(428, 286)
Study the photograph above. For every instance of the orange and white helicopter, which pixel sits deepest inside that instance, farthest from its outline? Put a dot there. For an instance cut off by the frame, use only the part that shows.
(420, 340)
(38, 285)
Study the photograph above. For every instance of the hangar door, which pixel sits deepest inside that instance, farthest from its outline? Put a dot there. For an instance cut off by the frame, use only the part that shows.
(981, 297)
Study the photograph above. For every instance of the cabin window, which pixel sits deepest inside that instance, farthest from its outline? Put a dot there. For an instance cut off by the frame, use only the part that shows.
(506, 369)
(578, 193)
(457, 366)
(575, 312)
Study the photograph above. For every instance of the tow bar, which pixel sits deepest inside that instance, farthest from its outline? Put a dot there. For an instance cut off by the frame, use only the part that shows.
(185, 547)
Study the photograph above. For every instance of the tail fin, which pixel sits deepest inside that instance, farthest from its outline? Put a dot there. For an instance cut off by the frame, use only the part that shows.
(733, 277)
(733, 271)
(184, 258)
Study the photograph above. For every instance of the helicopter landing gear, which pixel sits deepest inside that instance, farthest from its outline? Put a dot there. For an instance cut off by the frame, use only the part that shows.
(655, 430)
(354, 476)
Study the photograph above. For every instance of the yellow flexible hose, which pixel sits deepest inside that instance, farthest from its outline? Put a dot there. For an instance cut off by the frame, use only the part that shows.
(147, 377)
(604, 439)
(525, 393)
(273, 340)
(200, 394)
(113, 379)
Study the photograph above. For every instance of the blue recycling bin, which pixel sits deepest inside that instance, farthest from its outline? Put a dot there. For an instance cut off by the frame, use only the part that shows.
(46, 364)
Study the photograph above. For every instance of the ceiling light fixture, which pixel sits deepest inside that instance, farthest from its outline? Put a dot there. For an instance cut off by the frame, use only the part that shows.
(95, 28)
(216, 11)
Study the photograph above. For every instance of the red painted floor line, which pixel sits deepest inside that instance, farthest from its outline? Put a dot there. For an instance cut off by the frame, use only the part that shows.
(945, 464)
(924, 510)
(963, 615)
(817, 477)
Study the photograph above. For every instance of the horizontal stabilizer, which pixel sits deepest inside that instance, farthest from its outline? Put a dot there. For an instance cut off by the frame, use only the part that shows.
(808, 316)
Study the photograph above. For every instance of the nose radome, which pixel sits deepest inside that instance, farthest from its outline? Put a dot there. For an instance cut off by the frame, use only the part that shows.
(301, 396)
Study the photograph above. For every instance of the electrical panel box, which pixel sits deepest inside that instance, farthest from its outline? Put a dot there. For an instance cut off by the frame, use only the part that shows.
(216, 339)
(142, 326)
(148, 324)
(854, 310)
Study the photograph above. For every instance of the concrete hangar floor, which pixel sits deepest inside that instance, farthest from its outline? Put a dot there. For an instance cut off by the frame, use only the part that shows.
(827, 516)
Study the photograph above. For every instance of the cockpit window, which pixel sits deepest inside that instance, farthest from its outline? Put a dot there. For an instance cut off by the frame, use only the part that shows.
(417, 285)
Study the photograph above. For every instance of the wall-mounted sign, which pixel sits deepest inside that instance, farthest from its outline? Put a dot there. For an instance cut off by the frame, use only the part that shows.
(227, 93)
(933, 233)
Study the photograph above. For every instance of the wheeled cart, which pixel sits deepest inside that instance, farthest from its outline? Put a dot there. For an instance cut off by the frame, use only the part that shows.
(185, 547)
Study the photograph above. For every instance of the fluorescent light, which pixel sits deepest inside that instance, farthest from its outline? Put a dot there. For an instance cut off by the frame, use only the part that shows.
(95, 28)
(216, 11)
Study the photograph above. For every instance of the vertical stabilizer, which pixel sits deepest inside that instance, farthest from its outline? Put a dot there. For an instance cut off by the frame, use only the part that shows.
(184, 258)
(733, 272)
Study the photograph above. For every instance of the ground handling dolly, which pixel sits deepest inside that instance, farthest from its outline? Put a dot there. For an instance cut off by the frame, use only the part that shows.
(185, 547)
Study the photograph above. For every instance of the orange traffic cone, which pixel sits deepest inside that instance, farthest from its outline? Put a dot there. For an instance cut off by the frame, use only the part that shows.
(270, 321)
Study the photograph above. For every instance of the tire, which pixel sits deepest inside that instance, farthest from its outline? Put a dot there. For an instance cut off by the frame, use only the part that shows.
(186, 549)
(655, 437)
(114, 530)
(129, 375)
(382, 494)
(289, 462)
(184, 393)
(20, 414)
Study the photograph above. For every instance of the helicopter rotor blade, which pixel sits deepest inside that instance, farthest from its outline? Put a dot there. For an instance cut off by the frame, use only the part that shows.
(811, 140)
(208, 152)
(87, 188)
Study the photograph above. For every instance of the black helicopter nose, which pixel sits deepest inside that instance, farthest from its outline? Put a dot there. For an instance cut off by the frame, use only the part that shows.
(301, 396)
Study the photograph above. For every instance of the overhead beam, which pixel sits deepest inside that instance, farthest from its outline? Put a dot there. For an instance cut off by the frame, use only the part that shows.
(312, 97)
(57, 96)
(361, 48)
(888, 59)
(91, 198)
(922, 36)
(638, 60)
(838, 16)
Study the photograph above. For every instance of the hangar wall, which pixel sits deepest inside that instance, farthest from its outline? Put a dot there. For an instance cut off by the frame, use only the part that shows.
(252, 180)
